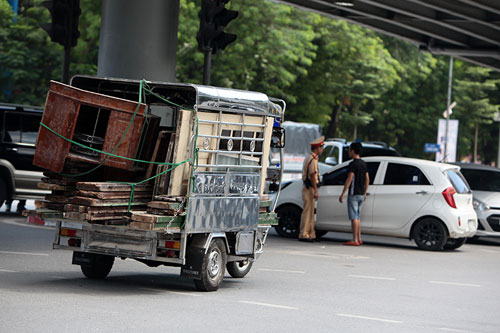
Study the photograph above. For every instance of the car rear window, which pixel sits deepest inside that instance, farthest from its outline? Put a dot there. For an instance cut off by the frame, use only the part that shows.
(482, 180)
(403, 174)
(458, 181)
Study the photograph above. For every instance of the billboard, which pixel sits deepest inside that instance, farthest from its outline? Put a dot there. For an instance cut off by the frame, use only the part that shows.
(451, 150)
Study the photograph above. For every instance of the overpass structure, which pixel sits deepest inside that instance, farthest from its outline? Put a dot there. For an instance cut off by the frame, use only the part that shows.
(466, 29)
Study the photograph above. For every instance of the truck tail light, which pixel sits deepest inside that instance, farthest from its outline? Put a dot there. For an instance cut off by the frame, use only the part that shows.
(448, 196)
(173, 245)
(68, 232)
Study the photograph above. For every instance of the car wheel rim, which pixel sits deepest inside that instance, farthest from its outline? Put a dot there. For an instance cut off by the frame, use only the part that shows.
(242, 265)
(429, 234)
(214, 263)
(288, 223)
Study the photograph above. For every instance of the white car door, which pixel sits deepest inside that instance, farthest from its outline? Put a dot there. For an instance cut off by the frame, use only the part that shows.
(404, 191)
(330, 213)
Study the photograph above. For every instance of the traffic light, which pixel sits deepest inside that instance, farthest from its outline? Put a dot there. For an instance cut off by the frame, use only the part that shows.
(213, 19)
(64, 26)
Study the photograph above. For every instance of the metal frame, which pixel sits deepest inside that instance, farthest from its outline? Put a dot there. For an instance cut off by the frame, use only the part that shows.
(465, 29)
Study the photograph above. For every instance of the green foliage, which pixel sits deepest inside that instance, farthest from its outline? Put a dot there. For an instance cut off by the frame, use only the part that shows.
(29, 59)
(273, 46)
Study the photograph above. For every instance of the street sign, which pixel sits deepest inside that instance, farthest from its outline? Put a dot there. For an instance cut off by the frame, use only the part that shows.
(432, 148)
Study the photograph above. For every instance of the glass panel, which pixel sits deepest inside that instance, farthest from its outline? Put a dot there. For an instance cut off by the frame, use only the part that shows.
(12, 128)
(482, 180)
(402, 174)
(458, 181)
(337, 177)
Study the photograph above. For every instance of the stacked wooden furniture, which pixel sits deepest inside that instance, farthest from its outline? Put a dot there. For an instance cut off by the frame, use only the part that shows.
(163, 212)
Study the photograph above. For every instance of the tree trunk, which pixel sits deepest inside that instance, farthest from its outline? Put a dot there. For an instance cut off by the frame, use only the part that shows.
(331, 131)
(476, 133)
(355, 109)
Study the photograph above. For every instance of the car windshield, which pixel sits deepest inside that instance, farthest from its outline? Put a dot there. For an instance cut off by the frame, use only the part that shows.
(458, 181)
(482, 180)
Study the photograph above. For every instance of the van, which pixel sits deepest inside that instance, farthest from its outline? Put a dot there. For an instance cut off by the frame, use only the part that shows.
(18, 133)
(336, 151)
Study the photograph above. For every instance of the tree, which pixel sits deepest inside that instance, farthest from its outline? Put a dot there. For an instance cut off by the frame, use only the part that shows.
(351, 69)
(273, 46)
(474, 108)
(29, 60)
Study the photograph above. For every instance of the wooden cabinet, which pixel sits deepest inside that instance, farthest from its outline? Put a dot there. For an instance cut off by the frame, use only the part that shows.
(69, 110)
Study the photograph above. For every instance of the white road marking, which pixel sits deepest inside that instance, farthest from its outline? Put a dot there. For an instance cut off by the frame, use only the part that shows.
(317, 254)
(25, 253)
(171, 292)
(58, 277)
(370, 318)
(489, 251)
(270, 305)
(7, 271)
(453, 330)
(280, 270)
(372, 277)
(456, 284)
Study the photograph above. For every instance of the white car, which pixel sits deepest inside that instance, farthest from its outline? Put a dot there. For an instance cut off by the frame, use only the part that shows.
(485, 184)
(426, 201)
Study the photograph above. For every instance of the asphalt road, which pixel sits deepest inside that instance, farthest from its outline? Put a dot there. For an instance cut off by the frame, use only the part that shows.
(386, 285)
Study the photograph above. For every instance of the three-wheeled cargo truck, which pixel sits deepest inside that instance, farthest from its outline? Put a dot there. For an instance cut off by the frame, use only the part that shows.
(164, 173)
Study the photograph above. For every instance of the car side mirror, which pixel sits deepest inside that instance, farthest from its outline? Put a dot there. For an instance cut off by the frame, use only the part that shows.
(278, 137)
(331, 160)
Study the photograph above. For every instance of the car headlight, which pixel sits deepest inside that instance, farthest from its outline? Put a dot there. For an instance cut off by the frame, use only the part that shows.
(479, 205)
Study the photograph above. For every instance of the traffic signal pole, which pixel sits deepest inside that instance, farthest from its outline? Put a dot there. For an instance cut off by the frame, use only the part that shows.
(66, 61)
(211, 37)
(206, 67)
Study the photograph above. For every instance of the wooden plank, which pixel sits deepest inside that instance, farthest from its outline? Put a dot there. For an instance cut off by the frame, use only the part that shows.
(266, 151)
(112, 194)
(151, 167)
(151, 218)
(266, 203)
(75, 216)
(49, 186)
(62, 199)
(168, 198)
(44, 213)
(104, 203)
(183, 134)
(108, 186)
(141, 225)
(175, 206)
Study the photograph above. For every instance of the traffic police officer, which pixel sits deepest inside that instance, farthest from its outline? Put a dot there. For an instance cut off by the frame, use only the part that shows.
(310, 177)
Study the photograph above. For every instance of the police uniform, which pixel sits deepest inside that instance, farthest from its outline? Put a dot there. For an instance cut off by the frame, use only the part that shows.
(309, 170)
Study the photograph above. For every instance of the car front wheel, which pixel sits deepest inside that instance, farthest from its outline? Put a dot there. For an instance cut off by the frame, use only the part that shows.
(289, 221)
(430, 234)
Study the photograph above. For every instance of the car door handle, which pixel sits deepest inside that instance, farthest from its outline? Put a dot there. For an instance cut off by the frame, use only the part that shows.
(12, 149)
(423, 192)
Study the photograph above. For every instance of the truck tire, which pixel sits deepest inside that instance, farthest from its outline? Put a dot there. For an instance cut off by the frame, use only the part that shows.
(238, 269)
(213, 267)
(99, 267)
(3, 191)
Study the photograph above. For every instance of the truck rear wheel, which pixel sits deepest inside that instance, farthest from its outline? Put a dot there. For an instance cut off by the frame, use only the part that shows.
(238, 269)
(99, 266)
(213, 267)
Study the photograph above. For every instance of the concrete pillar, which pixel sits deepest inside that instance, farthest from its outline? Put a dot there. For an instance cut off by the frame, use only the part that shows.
(138, 39)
